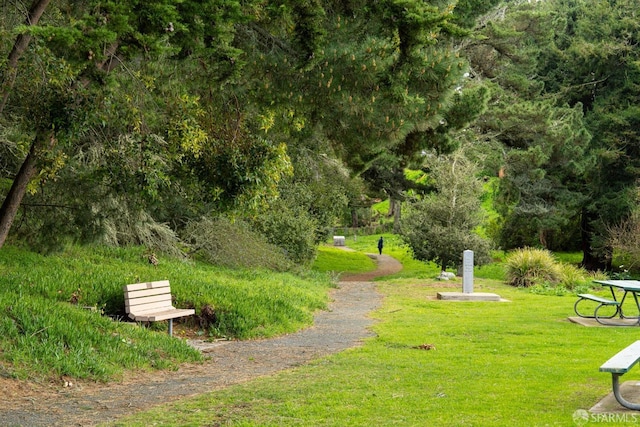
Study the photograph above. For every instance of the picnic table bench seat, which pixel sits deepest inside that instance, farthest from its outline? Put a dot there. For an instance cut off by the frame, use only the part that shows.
(619, 365)
(152, 302)
(601, 301)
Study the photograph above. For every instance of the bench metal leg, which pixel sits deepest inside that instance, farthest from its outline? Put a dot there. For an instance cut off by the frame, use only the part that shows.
(170, 327)
(619, 398)
(595, 316)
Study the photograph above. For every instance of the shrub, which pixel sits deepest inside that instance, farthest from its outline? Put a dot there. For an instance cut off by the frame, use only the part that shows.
(571, 276)
(233, 244)
(527, 267)
(291, 228)
(541, 270)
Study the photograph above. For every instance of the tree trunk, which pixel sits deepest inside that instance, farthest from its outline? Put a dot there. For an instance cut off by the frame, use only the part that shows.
(392, 206)
(590, 261)
(28, 170)
(22, 41)
(397, 213)
(542, 238)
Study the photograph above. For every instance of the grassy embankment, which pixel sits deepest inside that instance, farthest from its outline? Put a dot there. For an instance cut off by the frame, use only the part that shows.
(515, 363)
(51, 321)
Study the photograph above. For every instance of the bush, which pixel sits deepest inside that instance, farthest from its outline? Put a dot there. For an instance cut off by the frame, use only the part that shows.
(233, 244)
(539, 269)
(527, 267)
(290, 228)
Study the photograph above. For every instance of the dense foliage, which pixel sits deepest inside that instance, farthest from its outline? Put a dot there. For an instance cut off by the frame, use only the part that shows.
(563, 114)
(128, 123)
(167, 112)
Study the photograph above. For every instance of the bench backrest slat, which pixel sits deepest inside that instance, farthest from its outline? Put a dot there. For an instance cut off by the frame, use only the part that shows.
(623, 360)
(150, 296)
(146, 285)
(132, 302)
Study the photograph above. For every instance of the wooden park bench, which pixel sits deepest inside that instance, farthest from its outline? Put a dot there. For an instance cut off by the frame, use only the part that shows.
(619, 365)
(151, 302)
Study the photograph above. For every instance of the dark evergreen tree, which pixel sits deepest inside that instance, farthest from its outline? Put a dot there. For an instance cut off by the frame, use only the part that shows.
(596, 65)
(541, 189)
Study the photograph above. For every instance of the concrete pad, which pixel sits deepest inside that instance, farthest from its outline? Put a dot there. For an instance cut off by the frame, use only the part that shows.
(630, 390)
(473, 296)
(593, 322)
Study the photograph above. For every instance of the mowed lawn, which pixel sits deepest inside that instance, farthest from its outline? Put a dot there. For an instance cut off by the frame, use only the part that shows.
(515, 363)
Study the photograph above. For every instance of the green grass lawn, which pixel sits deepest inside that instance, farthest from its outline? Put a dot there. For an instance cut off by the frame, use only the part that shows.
(335, 260)
(516, 363)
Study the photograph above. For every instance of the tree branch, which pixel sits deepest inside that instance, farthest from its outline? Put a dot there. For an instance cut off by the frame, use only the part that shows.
(22, 41)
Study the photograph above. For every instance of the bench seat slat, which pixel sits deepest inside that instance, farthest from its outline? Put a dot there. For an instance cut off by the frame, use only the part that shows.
(156, 306)
(623, 361)
(599, 299)
(161, 315)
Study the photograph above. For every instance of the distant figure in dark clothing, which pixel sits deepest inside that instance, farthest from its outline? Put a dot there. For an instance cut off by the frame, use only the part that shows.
(380, 245)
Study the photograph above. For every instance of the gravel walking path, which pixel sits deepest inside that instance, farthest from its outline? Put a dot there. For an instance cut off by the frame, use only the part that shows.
(344, 325)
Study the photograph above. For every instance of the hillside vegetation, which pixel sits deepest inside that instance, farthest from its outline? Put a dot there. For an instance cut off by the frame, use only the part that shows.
(56, 311)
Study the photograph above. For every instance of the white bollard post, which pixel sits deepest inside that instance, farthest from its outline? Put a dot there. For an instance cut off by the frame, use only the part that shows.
(467, 272)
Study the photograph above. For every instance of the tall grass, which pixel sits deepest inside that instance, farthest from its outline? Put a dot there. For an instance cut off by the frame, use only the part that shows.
(41, 338)
(51, 306)
(541, 270)
(529, 266)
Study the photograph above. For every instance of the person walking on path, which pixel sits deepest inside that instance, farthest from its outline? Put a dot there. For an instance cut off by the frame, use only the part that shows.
(380, 245)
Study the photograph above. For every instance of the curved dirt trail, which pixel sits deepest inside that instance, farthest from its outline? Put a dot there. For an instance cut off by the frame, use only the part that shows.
(344, 325)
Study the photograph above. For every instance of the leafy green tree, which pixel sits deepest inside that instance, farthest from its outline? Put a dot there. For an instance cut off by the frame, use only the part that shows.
(440, 226)
(61, 77)
(572, 56)
(184, 109)
(96, 93)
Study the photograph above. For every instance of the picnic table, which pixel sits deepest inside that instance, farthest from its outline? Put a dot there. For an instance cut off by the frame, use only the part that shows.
(627, 288)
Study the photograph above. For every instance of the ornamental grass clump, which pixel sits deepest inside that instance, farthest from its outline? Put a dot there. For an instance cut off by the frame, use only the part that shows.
(528, 266)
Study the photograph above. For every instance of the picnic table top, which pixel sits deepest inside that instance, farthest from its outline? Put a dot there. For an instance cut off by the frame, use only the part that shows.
(627, 285)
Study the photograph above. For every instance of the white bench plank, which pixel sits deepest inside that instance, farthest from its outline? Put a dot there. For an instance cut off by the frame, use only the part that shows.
(623, 360)
(147, 285)
(163, 315)
(132, 302)
(152, 302)
(155, 306)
